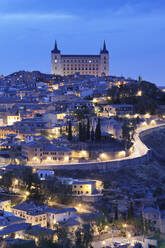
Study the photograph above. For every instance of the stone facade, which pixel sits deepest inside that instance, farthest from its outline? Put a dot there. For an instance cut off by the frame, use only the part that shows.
(36, 153)
(97, 65)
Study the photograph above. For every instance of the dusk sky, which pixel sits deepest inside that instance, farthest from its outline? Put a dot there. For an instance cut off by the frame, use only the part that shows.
(134, 31)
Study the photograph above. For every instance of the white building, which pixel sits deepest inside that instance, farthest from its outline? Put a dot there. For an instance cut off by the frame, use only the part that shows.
(44, 174)
(43, 215)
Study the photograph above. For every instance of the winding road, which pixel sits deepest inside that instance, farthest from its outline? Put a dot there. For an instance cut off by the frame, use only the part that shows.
(139, 150)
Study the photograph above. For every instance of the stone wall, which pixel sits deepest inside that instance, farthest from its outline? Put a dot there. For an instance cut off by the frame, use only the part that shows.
(103, 166)
(148, 132)
(106, 166)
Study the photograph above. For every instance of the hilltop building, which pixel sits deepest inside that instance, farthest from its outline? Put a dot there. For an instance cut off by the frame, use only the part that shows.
(97, 65)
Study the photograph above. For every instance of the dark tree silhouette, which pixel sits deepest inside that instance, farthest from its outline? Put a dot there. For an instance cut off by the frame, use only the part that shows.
(92, 135)
(98, 131)
(80, 131)
(88, 130)
(116, 212)
(70, 131)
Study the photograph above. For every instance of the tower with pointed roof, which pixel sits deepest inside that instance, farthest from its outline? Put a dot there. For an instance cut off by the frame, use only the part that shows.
(104, 60)
(96, 65)
(56, 67)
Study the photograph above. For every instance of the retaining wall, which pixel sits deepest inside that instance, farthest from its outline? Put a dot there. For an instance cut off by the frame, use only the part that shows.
(109, 165)
(148, 132)
(103, 166)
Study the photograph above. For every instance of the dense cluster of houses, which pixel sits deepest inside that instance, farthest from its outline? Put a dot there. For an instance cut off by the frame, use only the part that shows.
(35, 104)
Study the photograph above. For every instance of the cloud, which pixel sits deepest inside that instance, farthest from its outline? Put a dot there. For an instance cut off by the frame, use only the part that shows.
(35, 16)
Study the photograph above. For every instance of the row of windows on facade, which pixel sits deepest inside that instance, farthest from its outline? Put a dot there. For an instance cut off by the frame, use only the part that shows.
(42, 154)
(81, 69)
(54, 153)
(119, 109)
(93, 64)
(80, 192)
(14, 117)
(53, 216)
(79, 186)
(54, 158)
(22, 214)
(80, 61)
(93, 73)
(37, 219)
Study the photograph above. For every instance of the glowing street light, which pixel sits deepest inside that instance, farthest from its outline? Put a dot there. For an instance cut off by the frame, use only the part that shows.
(124, 225)
(139, 93)
(147, 115)
(129, 235)
(27, 193)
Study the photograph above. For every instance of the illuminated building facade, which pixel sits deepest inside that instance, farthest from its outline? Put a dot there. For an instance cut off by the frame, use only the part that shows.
(83, 188)
(97, 65)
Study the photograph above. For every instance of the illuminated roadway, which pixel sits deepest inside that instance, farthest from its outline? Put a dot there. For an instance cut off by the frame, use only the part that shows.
(140, 149)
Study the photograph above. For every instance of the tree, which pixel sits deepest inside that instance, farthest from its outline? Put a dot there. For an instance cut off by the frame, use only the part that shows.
(140, 79)
(81, 113)
(62, 234)
(61, 132)
(84, 133)
(78, 238)
(158, 191)
(44, 243)
(80, 131)
(70, 131)
(92, 135)
(14, 153)
(113, 93)
(101, 222)
(6, 180)
(44, 133)
(87, 235)
(106, 183)
(84, 236)
(98, 131)
(130, 211)
(127, 133)
(88, 130)
(138, 245)
(116, 212)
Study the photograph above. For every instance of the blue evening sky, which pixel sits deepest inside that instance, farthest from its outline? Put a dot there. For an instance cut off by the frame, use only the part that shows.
(133, 29)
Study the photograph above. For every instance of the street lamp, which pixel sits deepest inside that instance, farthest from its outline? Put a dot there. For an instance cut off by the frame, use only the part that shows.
(125, 226)
(129, 236)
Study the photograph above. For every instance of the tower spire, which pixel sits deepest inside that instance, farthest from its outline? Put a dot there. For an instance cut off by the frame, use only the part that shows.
(104, 46)
(55, 50)
(104, 50)
(55, 46)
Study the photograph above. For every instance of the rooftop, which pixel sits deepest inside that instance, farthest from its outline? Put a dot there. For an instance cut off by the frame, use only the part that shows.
(32, 209)
(14, 228)
(84, 182)
(81, 55)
